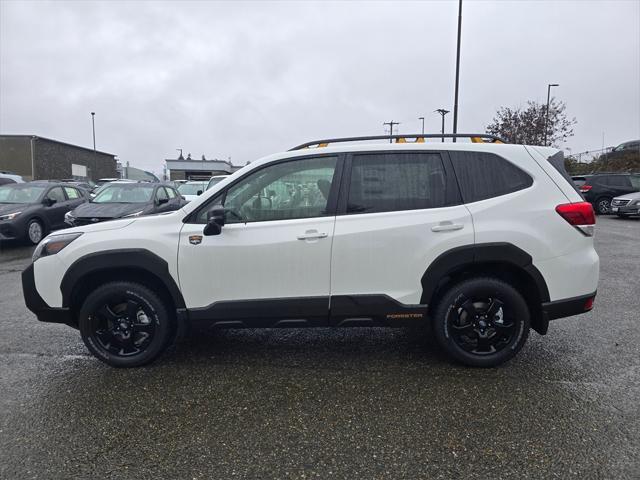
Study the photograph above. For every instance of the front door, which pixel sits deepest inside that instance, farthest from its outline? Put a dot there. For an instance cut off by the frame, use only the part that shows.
(270, 265)
(55, 212)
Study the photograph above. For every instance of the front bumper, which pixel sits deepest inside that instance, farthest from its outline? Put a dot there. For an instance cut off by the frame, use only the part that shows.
(8, 231)
(568, 307)
(37, 305)
(626, 210)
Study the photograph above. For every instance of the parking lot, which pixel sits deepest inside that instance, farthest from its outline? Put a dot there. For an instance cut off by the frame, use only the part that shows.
(352, 403)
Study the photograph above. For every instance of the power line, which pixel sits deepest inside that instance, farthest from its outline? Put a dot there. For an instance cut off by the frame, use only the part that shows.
(391, 124)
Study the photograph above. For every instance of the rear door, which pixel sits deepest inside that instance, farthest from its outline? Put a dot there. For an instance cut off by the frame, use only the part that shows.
(74, 197)
(398, 212)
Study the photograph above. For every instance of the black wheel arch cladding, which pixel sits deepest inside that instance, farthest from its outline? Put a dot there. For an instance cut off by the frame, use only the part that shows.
(110, 260)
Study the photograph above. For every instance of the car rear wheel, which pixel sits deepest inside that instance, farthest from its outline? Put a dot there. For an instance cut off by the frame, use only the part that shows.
(125, 324)
(481, 322)
(35, 231)
(603, 206)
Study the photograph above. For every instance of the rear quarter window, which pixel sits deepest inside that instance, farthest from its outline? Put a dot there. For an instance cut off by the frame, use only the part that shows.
(483, 175)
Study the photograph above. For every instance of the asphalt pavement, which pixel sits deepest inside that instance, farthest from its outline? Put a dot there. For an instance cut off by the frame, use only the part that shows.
(351, 403)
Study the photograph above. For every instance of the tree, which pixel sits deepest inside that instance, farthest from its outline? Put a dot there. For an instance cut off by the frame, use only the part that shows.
(527, 125)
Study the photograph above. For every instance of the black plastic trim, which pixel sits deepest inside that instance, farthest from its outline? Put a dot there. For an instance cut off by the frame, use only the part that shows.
(267, 313)
(374, 311)
(492, 138)
(139, 258)
(566, 307)
(37, 305)
(456, 259)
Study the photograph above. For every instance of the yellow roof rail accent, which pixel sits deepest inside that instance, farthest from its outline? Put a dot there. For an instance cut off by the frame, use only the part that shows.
(404, 140)
(480, 140)
(320, 145)
(401, 140)
(420, 140)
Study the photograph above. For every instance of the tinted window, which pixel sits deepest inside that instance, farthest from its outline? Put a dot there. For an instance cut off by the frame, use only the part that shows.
(388, 182)
(635, 181)
(485, 175)
(619, 181)
(284, 191)
(72, 193)
(171, 192)
(56, 194)
(161, 194)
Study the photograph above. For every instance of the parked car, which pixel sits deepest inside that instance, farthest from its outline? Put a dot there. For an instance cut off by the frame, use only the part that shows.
(626, 205)
(12, 177)
(215, 180)
(126, 199)
(483, 241)
(28, 211)
(600, 189)
(626, 149)
(192, 189)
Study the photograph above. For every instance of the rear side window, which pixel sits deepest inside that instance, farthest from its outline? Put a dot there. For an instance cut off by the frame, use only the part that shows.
(635, 181)
(484, 175)
(72, 193)
(619, 181)
(388, 182)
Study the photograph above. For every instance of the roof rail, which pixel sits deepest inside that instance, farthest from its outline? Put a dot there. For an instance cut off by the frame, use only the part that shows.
(419, 138)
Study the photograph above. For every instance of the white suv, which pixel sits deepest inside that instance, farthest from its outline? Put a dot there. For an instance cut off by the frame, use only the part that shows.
(484, 241)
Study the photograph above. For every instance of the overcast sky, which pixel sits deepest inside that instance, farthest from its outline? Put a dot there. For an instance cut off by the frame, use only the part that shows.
(245, 79)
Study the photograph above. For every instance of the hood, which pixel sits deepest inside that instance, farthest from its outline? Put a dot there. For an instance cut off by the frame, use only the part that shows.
(629, 196)
(6, 208)
(108, 210)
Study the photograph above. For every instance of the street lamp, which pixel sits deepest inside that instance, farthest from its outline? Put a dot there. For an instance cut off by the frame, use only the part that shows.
(93, 127)
(546, 118)
(422, 118)
(455, 100)
(443, 112)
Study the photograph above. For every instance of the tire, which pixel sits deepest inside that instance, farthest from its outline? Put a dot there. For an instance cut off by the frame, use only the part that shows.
(35, 231)
(603, 206)
(110, 332)
(481, 322)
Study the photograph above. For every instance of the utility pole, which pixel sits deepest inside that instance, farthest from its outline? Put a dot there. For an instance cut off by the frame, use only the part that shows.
(422, 118)
(443, 112)
(455, 101)
(546, 117)
(93, 127)
(391, 124)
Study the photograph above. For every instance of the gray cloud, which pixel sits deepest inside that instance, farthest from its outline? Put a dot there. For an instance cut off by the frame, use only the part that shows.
(245, 79)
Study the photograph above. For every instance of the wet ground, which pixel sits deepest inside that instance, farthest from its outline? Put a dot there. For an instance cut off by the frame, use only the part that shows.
(353, 403)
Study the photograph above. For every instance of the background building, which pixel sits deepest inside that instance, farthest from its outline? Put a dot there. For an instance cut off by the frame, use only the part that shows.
(188, 169)
(38, 158)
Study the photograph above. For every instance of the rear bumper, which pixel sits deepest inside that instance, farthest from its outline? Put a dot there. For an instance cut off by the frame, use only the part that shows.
(568, 307)
(37, 305)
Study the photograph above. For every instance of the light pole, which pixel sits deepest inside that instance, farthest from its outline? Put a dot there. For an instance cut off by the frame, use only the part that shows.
(455, 101)
(443, 112)
(93, 127)
(546, 117)
(422, 118)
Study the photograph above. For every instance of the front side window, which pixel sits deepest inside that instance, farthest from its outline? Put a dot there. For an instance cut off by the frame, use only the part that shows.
(388, 182)
(56, 194)
(284, 191)
(483, 175)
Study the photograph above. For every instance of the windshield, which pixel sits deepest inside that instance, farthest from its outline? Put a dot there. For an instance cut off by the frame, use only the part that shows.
(213, 181)
(20, 193)
(191, 188)
(124, 194)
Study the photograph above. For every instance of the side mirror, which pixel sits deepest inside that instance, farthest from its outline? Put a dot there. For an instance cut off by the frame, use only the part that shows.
(215, 222)
(199, 192)
(48, 201)
(162, 201)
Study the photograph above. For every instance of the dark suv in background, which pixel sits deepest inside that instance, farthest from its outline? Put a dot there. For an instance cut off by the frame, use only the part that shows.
(600, 189)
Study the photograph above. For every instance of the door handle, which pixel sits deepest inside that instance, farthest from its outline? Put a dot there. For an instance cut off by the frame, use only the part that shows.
(447, 227)
(312, 235)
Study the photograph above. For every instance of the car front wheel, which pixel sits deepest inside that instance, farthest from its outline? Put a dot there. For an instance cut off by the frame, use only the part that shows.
(481, 322)
(35, 231)
(125, 324)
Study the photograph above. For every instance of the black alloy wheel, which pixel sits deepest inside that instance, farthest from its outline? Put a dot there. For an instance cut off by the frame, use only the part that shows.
(603, 206)
(482, 322)
(125, 324)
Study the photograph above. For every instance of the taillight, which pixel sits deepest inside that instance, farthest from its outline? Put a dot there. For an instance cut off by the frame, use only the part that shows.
(585, 188)
(588, 305)
(580, 215)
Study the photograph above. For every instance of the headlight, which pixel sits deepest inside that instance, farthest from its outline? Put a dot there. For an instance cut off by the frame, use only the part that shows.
(68, 216)
(53, 244)
(10, 216)
(134, 214)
